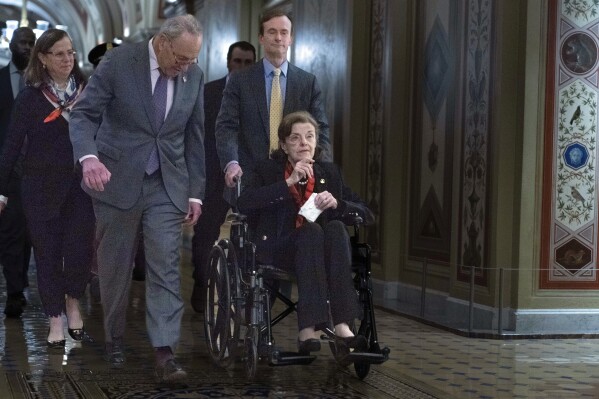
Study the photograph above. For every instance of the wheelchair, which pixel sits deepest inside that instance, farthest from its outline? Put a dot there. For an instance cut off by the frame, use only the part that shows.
(238, 319)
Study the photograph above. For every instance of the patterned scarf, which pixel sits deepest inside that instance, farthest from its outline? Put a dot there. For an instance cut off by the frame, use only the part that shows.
(70, 97)
(296, 192)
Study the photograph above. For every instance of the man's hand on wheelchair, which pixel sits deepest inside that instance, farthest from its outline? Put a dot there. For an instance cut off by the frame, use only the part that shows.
(232, 174)
(325, 200)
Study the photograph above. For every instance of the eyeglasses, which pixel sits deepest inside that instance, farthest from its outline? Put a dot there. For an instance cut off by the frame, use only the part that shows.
(62, 54)
(182, 60)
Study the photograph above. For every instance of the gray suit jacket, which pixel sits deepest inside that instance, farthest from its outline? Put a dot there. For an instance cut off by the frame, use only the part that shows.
(113, 120)
(242, 126)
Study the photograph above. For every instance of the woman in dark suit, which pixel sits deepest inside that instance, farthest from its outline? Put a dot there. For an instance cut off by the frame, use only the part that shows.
(318, 252)
(60, 217)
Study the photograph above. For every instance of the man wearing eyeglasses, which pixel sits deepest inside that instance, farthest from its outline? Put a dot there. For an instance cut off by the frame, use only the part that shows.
(138, 134)
(15, 247)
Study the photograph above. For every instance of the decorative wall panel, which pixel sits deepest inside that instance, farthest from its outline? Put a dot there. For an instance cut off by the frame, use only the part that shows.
(476, 129)
(434, 125)
(222, 17)
(320, 47)
(376, 114)
(569, 247)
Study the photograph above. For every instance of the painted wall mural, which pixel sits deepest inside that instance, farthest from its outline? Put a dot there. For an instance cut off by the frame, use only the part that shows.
(569, 246)
(453, 96)
(376, 119)
(475, 144)
(435, 116)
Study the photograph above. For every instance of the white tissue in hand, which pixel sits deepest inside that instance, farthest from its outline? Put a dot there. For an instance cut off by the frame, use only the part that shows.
(309, 209)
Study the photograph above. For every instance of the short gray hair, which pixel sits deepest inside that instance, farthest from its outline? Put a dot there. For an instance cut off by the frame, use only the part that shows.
(174, 27)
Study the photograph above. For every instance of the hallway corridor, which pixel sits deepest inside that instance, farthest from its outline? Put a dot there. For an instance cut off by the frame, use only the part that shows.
(425, 363)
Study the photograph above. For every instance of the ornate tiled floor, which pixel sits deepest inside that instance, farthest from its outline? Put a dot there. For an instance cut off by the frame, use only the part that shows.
(425, 363)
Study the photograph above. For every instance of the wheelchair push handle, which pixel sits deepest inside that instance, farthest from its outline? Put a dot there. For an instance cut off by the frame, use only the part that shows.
(237, 181)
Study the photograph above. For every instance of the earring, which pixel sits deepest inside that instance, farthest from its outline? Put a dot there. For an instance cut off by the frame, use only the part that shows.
(44, 66)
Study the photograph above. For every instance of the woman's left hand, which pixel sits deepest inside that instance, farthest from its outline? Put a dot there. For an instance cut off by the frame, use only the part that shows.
(325, 200)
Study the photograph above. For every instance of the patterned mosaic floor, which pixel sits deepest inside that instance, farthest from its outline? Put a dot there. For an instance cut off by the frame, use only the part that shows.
(425, 363)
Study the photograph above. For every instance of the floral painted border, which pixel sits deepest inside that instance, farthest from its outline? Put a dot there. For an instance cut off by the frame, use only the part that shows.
(472, 244)
(575, 188)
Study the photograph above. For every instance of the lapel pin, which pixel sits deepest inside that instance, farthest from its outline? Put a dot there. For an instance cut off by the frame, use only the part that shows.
(321, 181)
(184, 78)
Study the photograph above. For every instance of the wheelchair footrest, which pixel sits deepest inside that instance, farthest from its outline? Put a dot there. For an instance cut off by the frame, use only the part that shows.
(367, 357)
(279, 358)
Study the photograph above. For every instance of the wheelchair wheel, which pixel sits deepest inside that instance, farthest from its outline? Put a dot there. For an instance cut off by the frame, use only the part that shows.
(251, 353)
(217, 315)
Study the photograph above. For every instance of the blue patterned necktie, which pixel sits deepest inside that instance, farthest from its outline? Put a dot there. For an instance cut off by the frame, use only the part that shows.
(159, 100)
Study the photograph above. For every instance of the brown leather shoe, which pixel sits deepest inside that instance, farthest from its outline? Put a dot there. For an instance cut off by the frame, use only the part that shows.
(170, 372)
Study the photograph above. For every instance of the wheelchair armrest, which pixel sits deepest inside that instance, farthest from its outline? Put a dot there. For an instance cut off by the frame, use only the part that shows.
(353, 219)
(236, 217)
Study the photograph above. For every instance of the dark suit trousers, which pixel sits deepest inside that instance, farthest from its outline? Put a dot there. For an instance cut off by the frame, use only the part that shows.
(63, 248)
(321, 261)
(15, 247)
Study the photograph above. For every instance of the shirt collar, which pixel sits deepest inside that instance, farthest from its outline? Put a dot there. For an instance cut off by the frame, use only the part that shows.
(153, 58)
(12, 68)
(269, 68)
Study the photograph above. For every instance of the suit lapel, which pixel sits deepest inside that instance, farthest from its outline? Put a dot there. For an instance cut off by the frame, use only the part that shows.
(320, 183)
(143, 80)
(292, 87)
(179, 87)
(258, 86)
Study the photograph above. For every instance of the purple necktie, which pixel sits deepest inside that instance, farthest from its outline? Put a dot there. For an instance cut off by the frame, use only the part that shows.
(159, 100)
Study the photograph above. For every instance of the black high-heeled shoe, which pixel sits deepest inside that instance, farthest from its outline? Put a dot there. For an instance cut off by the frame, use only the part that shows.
(55, 344)
(309, 345)
(357, 342)
(79, 334)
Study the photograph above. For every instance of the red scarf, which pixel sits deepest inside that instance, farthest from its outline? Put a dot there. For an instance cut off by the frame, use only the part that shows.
(296, 191)
(66, 104)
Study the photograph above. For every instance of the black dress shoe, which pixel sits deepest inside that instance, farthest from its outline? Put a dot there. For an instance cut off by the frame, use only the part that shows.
(198, 298)
(309, 345)
(14, 305)
(138, 274)
(114, 354)
(21, 297)
(358, 342)
(170, 372)
(79, 334)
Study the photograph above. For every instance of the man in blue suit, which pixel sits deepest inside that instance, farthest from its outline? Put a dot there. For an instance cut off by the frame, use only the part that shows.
(138, 133)
(240, 55)
(15, 247)
(243, 125)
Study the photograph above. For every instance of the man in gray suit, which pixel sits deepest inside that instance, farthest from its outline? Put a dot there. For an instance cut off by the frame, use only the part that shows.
(243, 123)
(138, 134)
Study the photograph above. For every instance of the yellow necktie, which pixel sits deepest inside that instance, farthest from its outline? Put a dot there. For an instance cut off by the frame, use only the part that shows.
(276, 110)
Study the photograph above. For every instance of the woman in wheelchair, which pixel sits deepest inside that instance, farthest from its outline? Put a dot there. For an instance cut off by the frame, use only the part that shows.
(318, 252)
